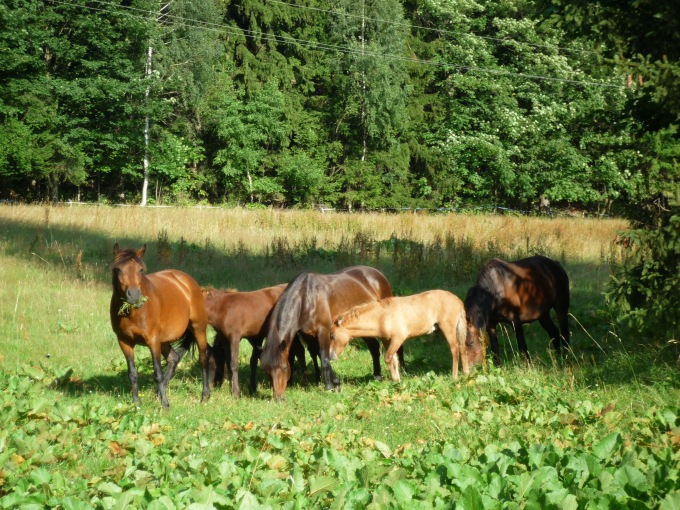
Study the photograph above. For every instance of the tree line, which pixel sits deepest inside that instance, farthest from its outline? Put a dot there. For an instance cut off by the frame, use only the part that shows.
(368, 104)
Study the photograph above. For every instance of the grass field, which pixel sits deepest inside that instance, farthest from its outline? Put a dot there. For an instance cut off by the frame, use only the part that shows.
(599, 431)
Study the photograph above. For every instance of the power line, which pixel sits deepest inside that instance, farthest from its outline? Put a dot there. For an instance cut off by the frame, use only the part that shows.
(430, 29)
(253, 34)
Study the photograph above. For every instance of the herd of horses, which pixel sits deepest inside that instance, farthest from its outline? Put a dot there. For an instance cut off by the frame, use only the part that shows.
(169, 312)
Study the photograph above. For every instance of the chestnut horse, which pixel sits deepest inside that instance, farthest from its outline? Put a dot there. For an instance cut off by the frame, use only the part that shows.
(235, 315)
(156, 310)
(396, 319)
(309, 304)
(519, 292)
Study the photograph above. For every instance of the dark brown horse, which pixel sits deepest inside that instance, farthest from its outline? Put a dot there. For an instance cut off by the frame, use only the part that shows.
(310, 304)
(236, 315)
(156, 310)
(519, 292)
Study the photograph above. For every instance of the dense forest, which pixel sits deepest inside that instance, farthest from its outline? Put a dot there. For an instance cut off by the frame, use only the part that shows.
(351, 104)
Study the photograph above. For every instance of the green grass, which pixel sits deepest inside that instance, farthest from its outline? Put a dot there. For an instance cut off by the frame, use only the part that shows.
(600, 429)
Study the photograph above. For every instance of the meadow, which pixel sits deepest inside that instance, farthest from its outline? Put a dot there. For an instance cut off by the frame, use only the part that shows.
(600, 429)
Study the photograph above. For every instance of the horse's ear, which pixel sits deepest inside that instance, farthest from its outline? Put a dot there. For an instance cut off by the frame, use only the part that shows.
(116, 249)
(140, 252)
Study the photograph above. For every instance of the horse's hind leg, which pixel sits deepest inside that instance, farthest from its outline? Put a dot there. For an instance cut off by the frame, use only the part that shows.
(172, 360)
(234, 341)
(158, 376)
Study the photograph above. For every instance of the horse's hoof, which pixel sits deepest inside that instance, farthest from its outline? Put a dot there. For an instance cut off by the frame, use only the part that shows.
(377, 377)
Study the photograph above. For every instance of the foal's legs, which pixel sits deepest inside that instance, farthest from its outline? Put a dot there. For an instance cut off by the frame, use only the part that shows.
(450, 333)
(234, 341)
(374, 348)
(129, 353)
(392, 360)
(220, 353)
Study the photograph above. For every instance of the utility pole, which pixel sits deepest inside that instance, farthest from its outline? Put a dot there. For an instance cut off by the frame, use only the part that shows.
(147, 75)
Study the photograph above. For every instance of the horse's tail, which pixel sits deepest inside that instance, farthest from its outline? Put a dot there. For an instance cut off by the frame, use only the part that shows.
(562, 279)
(187, 343)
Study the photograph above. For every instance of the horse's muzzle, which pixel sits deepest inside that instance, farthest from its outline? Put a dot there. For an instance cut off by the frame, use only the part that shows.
(133, 296)
(332, 356)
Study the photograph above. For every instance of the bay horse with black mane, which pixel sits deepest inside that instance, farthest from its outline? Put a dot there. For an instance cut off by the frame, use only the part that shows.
(519, 292)
(236, 315)
(310, 304)
(156, 310)
(396, 319)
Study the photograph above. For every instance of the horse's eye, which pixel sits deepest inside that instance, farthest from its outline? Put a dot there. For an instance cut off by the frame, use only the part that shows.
(141, 269)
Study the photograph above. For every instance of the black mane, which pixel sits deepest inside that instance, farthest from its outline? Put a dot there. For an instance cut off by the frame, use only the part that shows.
(284, 321)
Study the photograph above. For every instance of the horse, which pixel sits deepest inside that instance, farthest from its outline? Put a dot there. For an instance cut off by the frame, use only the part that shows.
(309, 304)
(519, 292)
(235, 315)
(156, 310)
(396, 319)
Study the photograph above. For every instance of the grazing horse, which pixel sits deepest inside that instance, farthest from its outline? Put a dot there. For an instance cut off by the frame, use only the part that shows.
(235, 315)
(309, 304)
(519, 292)
(396, 319)
(156, 310)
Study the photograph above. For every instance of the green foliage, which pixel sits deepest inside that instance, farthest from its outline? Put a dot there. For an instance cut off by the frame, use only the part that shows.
(643, 292)
(574, 459)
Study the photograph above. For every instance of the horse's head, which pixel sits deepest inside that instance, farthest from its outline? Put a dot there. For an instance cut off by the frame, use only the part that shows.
(340, 337)
(127, 272)
(475, 344)
(278, 371)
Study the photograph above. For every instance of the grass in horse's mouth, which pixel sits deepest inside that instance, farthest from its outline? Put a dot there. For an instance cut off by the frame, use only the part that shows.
(125, 307)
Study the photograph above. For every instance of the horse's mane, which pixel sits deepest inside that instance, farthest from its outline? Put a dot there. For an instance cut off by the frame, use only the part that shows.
(284, 319)
(126, 255)
(351, 315)
(477, 305)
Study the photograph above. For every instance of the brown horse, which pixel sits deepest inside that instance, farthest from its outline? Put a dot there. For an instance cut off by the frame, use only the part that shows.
(235, 315)
(156, 310)
(309, 304)
(396, 319)
(519, 292)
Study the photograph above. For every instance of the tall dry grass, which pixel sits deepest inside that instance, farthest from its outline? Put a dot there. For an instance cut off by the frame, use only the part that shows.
(576, 239)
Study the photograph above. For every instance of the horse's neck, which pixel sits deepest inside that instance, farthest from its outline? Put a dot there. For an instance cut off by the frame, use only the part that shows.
(367, 320)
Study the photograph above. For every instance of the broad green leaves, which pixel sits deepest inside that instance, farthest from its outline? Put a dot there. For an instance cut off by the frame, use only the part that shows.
(570, 463)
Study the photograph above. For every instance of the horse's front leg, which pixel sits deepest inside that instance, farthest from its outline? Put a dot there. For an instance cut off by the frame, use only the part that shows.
(329, 377)
(493, 340)
(254, 358)
(374, 348)
(521, 340)
(392, 359)
(129, 353)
